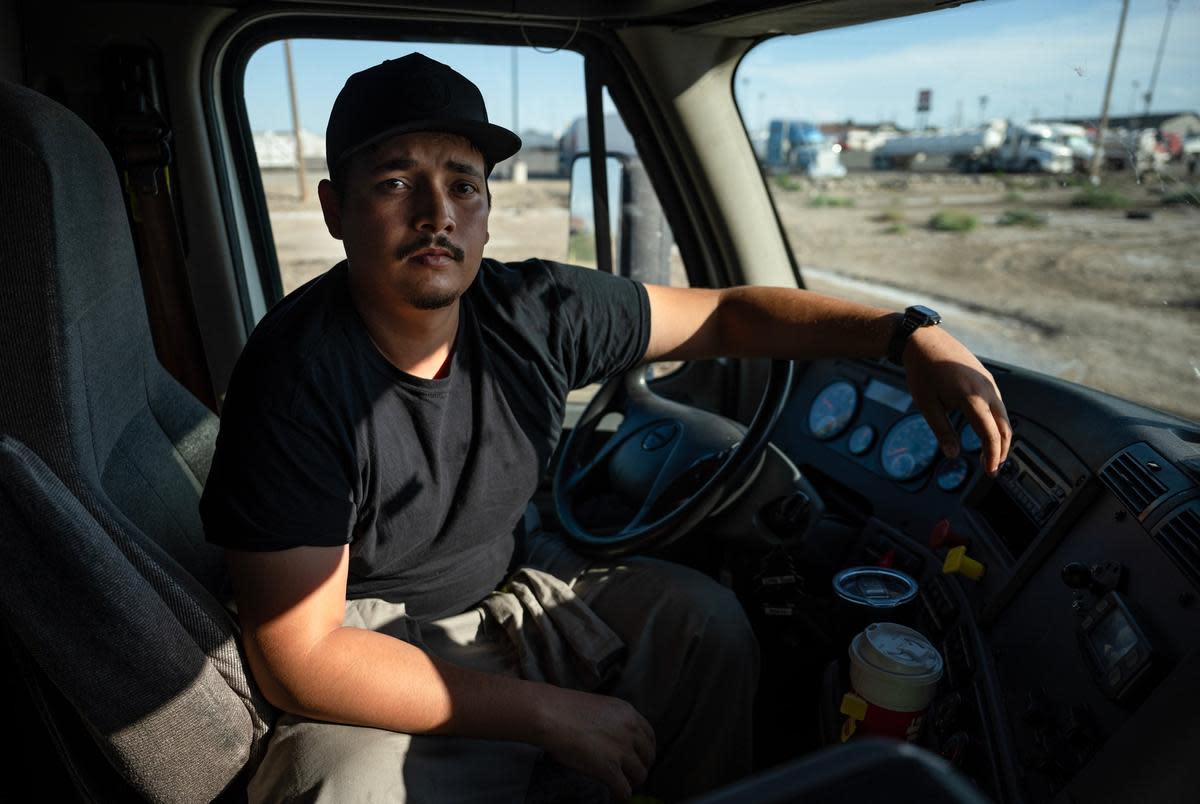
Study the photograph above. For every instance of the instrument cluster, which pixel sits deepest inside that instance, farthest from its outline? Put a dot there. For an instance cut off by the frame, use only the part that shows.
(878, 427)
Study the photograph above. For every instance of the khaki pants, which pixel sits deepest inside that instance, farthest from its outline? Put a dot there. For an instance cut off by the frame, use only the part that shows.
(689, 664)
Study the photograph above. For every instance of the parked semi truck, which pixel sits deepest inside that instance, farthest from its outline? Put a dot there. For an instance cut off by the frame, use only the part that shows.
(996, 146)
(798, 146)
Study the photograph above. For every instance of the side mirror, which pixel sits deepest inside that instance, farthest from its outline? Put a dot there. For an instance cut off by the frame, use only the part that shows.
(641, 238)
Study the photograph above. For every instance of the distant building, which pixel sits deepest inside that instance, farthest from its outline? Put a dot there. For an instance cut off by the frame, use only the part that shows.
(539, 152)
(277, 149)
(1178, 123)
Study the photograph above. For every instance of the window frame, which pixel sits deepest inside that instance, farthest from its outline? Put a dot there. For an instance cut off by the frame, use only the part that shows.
(244, 204)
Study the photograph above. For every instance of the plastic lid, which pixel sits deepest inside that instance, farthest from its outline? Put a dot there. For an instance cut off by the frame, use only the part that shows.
(875, 587)
(899, 649)
(894, 667)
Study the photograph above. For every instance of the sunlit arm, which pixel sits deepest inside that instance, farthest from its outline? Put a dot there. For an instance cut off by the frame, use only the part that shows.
(943, 375)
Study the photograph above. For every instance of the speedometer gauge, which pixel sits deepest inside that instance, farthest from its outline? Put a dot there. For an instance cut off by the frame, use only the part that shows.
(969, 440)
(861, 439)
(833, 409)
(909, 448)
(952, 474)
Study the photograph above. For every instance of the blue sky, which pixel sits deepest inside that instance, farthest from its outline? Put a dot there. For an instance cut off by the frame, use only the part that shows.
(1046, 58)
(1030, 57)
(550, 84)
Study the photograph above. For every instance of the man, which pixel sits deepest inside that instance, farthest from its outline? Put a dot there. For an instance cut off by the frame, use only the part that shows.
(383, 431)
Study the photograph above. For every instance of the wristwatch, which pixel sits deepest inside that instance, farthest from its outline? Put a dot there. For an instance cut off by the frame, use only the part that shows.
(915, 317)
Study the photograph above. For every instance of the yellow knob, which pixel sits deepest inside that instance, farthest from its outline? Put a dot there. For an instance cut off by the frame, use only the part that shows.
(958, 561)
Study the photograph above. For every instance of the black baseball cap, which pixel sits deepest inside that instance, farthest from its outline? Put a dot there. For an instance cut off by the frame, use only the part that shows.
(413, 93)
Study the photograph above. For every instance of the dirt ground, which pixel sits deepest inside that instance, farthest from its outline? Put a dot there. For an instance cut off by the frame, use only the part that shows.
(1089, 295)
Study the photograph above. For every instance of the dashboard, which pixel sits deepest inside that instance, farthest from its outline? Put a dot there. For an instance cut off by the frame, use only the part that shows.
(1073, 650)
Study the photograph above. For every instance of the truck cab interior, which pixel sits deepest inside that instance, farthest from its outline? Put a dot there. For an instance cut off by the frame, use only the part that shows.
(140, 249)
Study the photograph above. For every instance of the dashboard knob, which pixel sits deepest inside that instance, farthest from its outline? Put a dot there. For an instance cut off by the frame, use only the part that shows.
(1077, 575)
(943, 535)
(958, 561)
(788, 517)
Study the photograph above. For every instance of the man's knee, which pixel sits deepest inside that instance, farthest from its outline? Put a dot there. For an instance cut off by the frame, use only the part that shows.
(313, 761)
(317, 762)
(714, 620)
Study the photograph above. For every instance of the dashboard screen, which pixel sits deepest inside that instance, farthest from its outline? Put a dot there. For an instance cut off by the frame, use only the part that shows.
(888, 395)
(1113, 639)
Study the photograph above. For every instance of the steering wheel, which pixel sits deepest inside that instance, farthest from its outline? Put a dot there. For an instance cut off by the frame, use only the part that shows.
(663, 471)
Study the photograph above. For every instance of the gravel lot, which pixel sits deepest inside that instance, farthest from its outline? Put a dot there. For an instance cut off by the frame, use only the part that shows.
(1090, 295)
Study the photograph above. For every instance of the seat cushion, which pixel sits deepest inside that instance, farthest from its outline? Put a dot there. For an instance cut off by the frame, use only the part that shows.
(154, 701)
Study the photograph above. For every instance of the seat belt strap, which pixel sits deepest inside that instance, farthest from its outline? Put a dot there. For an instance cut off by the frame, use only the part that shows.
(141, 143)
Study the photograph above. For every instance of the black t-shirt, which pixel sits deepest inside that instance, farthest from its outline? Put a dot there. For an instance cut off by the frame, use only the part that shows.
(324, 442)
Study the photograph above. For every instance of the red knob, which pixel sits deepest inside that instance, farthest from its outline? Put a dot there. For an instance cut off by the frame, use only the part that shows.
(943, 535)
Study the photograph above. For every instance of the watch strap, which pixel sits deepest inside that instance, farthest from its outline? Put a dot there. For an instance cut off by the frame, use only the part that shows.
(914, 318)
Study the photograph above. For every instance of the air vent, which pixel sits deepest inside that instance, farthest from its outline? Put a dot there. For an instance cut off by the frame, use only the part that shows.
(1179, 536)
(1141, 477)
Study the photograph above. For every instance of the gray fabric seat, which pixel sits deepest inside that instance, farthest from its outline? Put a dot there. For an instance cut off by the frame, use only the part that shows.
(102, 468)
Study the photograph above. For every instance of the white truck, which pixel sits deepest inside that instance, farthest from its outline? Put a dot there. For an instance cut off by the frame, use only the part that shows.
(1136, 148)
(1191, 153)
(1074, 137)
(996, 146)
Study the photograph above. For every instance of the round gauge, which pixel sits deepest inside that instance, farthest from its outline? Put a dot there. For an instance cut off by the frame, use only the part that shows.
(833, 409)
(861, 439)
(909, 448)
(952, 474)
(970, 442)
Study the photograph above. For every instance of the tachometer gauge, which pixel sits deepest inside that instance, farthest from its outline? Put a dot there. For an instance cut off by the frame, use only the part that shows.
(833, 409)
(969, 440)
(952, 474)
(861, 439)
(909, 448)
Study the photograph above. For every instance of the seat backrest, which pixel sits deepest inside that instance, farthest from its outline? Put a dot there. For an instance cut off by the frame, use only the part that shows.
(80, 387)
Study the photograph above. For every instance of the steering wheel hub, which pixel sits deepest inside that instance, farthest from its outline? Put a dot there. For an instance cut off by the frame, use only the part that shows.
(669, 464)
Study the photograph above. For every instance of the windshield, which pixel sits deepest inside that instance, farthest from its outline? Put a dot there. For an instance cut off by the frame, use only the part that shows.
(929, 193)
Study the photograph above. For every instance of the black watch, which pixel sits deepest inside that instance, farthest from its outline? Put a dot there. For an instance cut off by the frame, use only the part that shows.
(915, 317)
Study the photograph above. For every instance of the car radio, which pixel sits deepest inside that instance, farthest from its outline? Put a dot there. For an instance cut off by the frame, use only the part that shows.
(1031, 484)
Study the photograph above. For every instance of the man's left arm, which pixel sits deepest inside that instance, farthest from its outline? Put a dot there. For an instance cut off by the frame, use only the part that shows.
(696, 323)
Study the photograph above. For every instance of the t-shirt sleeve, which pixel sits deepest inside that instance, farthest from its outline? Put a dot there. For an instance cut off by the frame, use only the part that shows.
(605, 320)
(277, 482)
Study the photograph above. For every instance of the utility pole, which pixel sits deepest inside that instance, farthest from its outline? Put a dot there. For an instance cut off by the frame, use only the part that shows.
(520, 173)
(291, 82)
(1162, 43)
(1098, 156)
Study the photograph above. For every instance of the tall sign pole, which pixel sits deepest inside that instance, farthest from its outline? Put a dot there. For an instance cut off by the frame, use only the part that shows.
(291, 82)
(1162, 44)
(1098, 156)
(520, 172)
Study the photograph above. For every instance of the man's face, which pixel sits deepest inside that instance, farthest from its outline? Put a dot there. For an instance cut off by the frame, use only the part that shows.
(412, 214)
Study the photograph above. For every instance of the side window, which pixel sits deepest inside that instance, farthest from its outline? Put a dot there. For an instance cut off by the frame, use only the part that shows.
(971, 160)
(540, 95)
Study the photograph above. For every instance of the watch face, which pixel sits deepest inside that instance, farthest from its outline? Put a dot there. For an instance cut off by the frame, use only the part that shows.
(926, 317)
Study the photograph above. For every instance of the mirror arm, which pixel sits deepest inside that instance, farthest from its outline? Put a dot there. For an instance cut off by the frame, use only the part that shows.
(596, 154)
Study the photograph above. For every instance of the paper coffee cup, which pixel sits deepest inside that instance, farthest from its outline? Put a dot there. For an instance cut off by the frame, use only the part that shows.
(896, 671)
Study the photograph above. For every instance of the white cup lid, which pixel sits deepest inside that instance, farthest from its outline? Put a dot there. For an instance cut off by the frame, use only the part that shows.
(894, 666)
(898, 649)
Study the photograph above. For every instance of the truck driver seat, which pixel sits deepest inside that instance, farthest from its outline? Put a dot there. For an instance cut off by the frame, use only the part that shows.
(109, 596)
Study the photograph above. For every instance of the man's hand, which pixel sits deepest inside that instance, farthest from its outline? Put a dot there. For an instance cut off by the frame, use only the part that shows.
(943, 376)
(600, 736)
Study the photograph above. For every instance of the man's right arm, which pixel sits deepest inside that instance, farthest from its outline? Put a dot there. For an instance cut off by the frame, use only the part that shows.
(291, 604)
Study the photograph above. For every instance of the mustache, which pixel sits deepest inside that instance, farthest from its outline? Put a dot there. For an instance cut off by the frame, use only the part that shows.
(430, 241)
